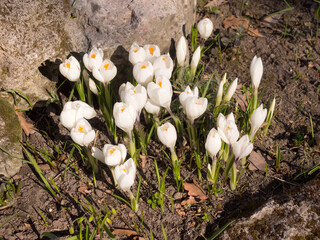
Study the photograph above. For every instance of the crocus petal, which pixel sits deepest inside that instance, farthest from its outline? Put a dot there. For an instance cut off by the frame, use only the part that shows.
(97, 154)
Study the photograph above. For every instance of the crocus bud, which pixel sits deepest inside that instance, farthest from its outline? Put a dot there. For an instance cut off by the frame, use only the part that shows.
(219, 93)
(152, 51)
(143, 72)
(97, 154)
(160, 92)
(137, 54)
(125, 116)
(167, 135)
(256, 71)
(125, 174)
(114, 154)
(231, 90)
(257, 119)
(227, 128)
(152, 108)
(205, 27)
(186, 94)
(242, 148)
(93, 87)
(163, 65)
(213, 143)
(105, 72)
(271, 110)
(82, 133)
(181, 51)
(70, 69)
(195, 107)
(195, 61)
(93, 59)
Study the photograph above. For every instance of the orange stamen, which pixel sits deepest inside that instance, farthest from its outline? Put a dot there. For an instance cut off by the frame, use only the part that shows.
(123, 109)
(135, 51)
(125, 170)
(151, 49)
(106, 66)
(112, 150)
(228, 127)
(68, 65)
(93, 56)
(143, 66)
(163, 59)
(160, 84)
(80, 129)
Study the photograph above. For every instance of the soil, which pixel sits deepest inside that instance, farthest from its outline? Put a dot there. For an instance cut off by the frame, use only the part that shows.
(289, 47)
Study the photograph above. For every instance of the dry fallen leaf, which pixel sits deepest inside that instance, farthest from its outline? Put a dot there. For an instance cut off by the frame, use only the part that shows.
(234, 23)
(272, 19)
(82, 189)
(28, 128)
(143, 158)
(215, 3)
(194, 191)
(190, 201)
(127, 232)
(257, 161)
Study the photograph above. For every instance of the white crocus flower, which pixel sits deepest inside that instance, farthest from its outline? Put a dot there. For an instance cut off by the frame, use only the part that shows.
(160, 92)
(114, 154)
(143, 72)
(82, 133)
(125, 174)
(167, 135)
(195, 107)
(93, 87)
(163, 65)
(227, 128)
(219, 93)
(136, 96)
(213, 143)
(152, 51)
(257, 119)
(73, 111)
(195, 61)
(137, 54)
(231, 90)
(182, 51)
(256, 71)
(186, 94)
(205, 28)
(152, 108)
(94, 58)
(242, 148)
(125, 116)
(105, 72)
(70, 69)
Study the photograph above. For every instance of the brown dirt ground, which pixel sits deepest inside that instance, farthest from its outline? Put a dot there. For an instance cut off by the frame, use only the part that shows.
(291, 57)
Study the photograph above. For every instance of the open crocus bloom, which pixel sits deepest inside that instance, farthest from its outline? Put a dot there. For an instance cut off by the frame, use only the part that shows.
(257, 119)
(73, 111)
(227, 128)
(213, 143)
(143, 72)
(167, 134)
(114, 154)
(160, 92)
(187, 93)
(195, 107)
(82, 133)
(93, 59)
(125, 174)
(181, 51)
(137, 54)
(242, 148)
(70, 69)
(152, 51)
(151, 107)
(163, 65)
(136, 96)
(205, 27)
(125, 116)
(105, 72)
(256, 71)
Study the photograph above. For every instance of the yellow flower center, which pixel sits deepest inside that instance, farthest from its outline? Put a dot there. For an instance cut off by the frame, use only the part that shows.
(143, 66)
(125, 170)
(135, 51)
(163, 59)
(134, 91)
(196, 103)
(151, 49)
(68, 65)
(106, 66)
(160, 84)
(93, 56)
(166, 129)
(228, 127)
(123, 109)
(80, 129)
(188, 92)
(112, 150)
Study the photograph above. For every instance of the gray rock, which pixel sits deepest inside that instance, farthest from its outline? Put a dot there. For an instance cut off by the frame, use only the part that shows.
(284, 217)
(34, 34)
(10, 138)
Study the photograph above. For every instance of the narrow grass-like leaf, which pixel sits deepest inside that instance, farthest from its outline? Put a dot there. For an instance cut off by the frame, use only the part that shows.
(217, 233)
(49, 235)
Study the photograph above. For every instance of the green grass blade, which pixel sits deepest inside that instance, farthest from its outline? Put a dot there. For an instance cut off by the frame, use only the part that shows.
(217, 233)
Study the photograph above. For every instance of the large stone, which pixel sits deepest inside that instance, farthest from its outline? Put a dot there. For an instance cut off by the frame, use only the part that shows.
(283, 217)
(34, 34)
(10, 140)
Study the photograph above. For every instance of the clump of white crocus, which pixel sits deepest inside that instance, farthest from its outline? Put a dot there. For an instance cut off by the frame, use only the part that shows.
(231, 90)
(213, 146)
(137, 54)
(227, 128)
(70, 69)
(195, 61)
(205, 28)
(257, 119)
(73, 111)
(125, 116)
(134, 95)
(152, 51)
(195, 107)
(242, 148)
(152, 108)
(160, 92)
(82, 133)
(143, 72)
(104, 72)
(256, 71)
(93, 59)
(163, 65)
(182, 51)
